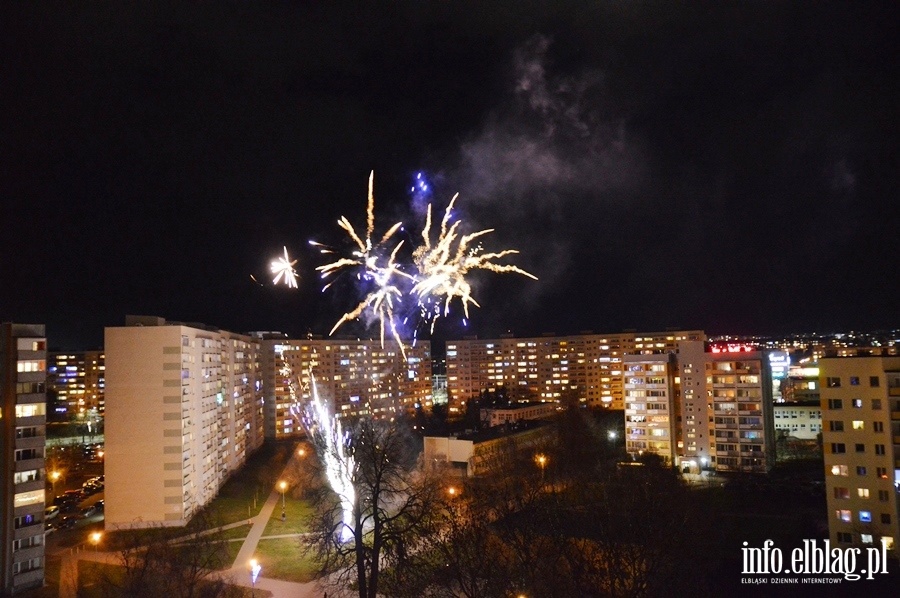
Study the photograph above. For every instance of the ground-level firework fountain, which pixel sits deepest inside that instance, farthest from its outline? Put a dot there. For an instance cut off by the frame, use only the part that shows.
(332, 444)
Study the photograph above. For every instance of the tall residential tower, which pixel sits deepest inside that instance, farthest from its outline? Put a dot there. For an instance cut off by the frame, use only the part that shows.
(184, 409)
(23, 364)
(861, 441)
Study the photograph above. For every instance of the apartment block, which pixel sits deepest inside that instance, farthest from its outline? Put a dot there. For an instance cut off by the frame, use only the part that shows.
(727, 407)
(358, 377)
(652, 405)
(802, 384)
(76, 382)
(23, 365)
(861, 441)
(516, 412)
(184, 409)
(587, 367)
(800, 420)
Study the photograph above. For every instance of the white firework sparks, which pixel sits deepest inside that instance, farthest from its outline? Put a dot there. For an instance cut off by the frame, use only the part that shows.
(332, 444)
(284, 267)
(442, 270)
(443, 267)
(375, 267)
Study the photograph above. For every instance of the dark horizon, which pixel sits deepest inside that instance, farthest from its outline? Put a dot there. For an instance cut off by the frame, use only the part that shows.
(729, 167)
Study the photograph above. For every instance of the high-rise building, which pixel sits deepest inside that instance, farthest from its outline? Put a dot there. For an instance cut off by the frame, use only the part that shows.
(802, 384)
(76, 382)
(358, 377)
(652, 405)
(727, 407)
(23, 364)
(861, 442)
(184, 409)
(587, 367)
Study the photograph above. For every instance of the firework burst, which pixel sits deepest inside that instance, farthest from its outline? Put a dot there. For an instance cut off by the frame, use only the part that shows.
(376, 267)
(443, 267)
(283, 267)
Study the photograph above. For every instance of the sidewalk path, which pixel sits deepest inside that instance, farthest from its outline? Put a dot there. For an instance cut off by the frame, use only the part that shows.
(240, 569)
(238, 574)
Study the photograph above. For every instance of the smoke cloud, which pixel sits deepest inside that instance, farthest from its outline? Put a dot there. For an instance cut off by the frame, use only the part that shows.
(554, 153)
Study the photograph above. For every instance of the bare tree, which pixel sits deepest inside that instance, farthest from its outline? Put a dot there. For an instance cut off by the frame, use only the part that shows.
(177, 562)
(394, 506)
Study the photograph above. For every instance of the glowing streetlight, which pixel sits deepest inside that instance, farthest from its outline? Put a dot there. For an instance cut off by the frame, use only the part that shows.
(612, 434)
(54, 477)
(283, 486)
(542, 462)
(452, 491)
(301, 451)
(95, 538)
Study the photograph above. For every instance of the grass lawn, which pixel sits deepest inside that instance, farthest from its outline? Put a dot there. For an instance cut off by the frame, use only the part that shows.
(298, 513)
(236, 532)
(101, 580)
(282, 558)
(252, 484)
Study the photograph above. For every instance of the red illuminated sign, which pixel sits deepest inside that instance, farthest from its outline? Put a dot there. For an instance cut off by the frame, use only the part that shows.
(732, 348)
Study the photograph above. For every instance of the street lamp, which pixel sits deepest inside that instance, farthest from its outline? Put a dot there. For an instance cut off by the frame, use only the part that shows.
(542, 461)
(301, 451)
(95, 539)
(451, 491)
(282, 485)
(612, 434)
(54, 477)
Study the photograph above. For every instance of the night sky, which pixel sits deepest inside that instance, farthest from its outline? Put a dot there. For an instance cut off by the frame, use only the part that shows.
(730, 166)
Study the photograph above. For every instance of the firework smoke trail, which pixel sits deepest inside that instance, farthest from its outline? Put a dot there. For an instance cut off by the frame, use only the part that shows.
(283, 266)
(332, 445)
(443, 268)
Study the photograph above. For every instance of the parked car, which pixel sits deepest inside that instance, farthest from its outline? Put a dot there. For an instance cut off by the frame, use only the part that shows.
(100, 504)
(51, 512)
(49, 528)
(91, 488)
(88, 511)
(69, 507)
(68, 522)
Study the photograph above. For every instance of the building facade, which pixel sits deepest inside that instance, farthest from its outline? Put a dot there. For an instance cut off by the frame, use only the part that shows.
(184, 410)
(586, 368)
(357, 377)
(23, 400)
(800, 420)
(76, 383)
(801, 385)
(479, 453)
(727, 407)
(861, 442)
(515, 412)
(652, 406)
